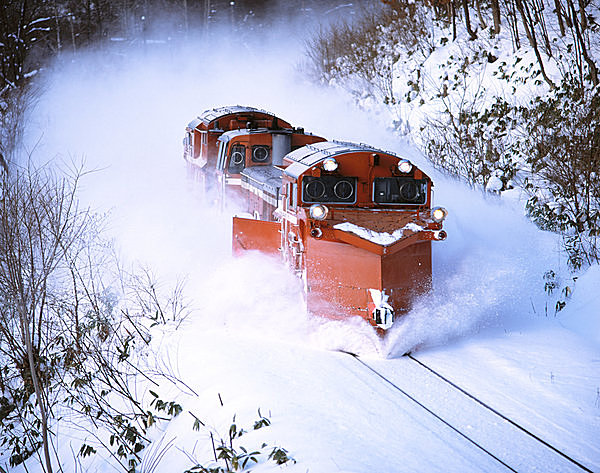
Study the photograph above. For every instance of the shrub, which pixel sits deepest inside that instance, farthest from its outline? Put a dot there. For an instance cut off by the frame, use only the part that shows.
(562, 148)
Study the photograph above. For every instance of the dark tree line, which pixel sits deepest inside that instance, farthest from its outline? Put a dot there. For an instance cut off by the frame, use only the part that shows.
(31, 31)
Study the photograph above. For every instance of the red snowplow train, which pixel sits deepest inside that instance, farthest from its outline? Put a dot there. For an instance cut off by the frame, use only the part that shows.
(355, 223)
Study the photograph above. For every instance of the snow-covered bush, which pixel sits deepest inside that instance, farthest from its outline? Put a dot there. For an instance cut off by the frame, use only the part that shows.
(562, 149)
(230, 456)
(70, 345)
(361, 56)
(470, 134)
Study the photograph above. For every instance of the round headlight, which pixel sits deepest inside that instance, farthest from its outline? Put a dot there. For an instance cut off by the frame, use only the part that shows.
(409, 191)
(330, 164)
(343, 190)
(315, 189)
(318, 211)
(260, 154)
(438, 214)
(237, 158)
(405, 166)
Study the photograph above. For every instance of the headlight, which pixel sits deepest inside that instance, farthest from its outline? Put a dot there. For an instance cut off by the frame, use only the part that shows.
(343, 190)
(318, 211)
(438, 214)
(405, 166)
(237, 158)
(330, 164)
(440, 235)
(260, 154)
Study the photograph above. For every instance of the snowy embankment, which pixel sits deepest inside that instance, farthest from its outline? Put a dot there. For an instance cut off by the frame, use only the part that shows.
(488, 324)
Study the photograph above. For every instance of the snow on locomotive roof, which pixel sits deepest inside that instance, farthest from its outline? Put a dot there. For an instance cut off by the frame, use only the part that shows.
(309, 155)
(210, 115)
(228, 135)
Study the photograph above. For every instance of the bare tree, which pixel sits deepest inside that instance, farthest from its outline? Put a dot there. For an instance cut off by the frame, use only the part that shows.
(15, 104)
(39, 224)
(579, 27)
(70, 322)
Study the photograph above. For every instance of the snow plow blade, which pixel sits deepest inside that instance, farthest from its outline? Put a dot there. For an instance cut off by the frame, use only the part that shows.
(251, 234)
(342, 277)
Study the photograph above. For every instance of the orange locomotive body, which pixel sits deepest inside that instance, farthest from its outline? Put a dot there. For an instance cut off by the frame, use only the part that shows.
(355, 223)
(200, 145)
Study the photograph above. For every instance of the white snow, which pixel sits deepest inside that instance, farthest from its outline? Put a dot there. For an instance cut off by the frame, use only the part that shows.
(381, 238)
(248, 341)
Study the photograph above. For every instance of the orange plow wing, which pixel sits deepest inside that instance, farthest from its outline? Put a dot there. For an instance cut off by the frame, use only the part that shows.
(250, 234)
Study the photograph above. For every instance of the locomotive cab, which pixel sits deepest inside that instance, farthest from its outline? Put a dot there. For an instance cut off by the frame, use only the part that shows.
(355, 223)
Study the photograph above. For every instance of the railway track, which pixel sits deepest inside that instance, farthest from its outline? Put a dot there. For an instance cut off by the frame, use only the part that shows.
(520, 450)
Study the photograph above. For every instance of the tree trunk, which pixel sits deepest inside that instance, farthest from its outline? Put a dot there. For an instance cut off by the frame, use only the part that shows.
(453, 11)
(584, 22)
(480, 15)
(538, 6)
(514, 24)
(529, 31)
(584, 52)
(472, 34)
(496, 15)
(559, 16)
(36, 385)
(57, 21)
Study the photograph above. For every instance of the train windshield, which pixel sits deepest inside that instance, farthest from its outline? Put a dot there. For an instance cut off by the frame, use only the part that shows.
(237, 159)
(399, 190)
(329, 189)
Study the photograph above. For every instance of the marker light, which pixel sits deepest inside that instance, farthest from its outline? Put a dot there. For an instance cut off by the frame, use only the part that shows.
(318, 211)
(438, 214)
(330, 164)
(316, 233)
(405, 166)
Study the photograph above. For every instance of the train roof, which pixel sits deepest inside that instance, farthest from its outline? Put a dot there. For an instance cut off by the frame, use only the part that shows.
(214, 114)
(194, 123)
(309, 155)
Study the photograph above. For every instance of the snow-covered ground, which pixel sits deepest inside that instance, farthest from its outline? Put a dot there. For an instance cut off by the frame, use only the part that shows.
(488, 325)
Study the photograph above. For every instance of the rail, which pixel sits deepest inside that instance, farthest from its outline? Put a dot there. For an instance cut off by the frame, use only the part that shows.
(454, 386)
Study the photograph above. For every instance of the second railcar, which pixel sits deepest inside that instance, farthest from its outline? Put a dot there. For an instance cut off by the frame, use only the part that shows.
(200, 143)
